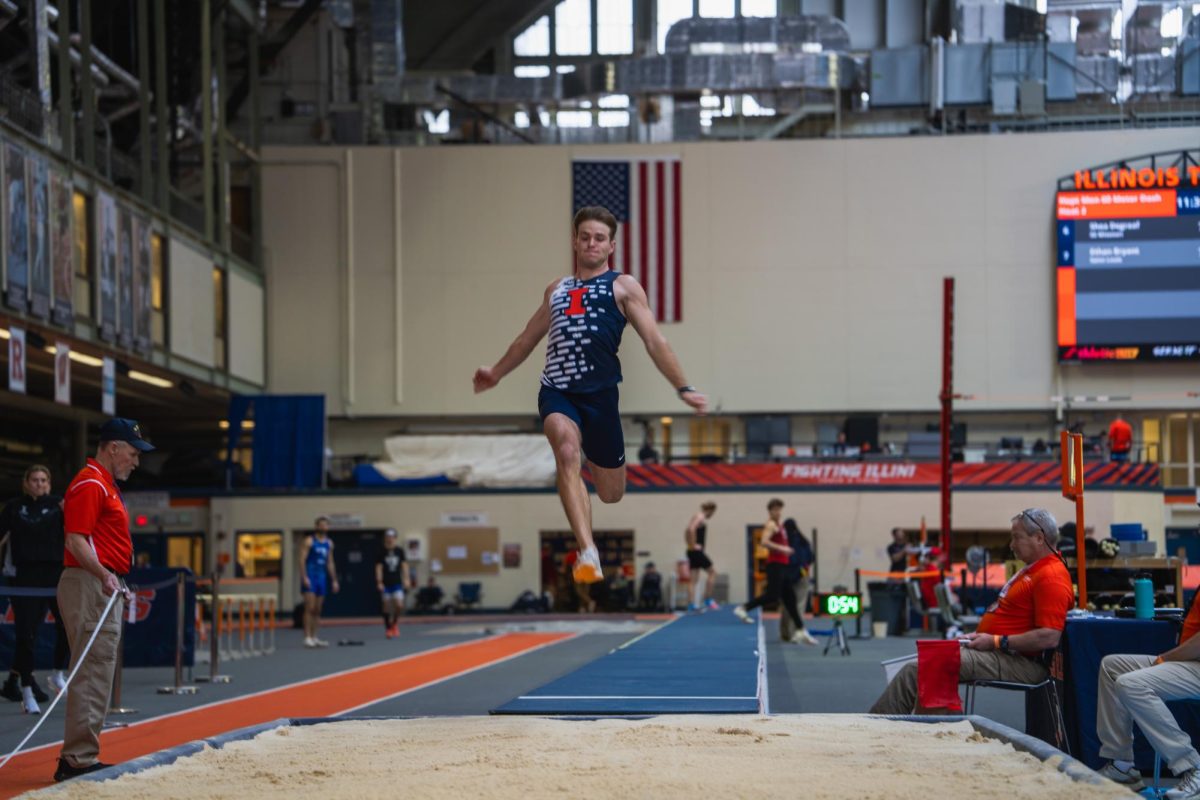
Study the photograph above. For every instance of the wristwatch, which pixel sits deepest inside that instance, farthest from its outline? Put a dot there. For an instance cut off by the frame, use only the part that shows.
(1004, 644)
(682, 390)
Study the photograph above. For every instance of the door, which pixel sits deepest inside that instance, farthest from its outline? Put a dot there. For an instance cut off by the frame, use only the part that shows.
(158, 550)
(149, 550)
(259, 554)
(616, 557)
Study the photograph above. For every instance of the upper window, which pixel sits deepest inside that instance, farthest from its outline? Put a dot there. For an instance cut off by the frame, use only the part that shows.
(614, 27)
(670, 12)
(534, 40)
(760, 8)
(717, 8)
(573, 28)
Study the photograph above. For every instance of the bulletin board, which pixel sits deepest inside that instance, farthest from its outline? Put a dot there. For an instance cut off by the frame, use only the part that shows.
(466, 551)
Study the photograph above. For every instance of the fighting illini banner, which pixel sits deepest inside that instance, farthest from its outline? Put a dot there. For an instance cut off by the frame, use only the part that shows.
(883, 474)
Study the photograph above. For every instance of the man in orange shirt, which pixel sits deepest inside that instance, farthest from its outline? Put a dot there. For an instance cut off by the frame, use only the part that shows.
(99, 552)
(1120, 440)
(1027, 619)
(1136, 688)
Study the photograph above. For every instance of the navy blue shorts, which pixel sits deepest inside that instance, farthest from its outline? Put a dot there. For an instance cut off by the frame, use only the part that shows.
(598, 419)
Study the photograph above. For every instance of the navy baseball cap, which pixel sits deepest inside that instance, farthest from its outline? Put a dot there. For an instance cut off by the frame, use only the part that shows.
(119, 429)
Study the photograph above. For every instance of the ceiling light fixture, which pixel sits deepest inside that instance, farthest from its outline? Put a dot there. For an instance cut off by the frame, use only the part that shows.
(153, 380)
(75, 355)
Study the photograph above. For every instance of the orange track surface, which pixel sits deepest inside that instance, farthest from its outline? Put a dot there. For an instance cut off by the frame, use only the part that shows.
(319, 697)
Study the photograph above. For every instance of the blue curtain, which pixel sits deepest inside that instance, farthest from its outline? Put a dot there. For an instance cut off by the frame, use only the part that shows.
(289, 438)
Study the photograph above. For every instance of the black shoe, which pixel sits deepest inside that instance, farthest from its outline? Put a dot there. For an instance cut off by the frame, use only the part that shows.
(39, 694)
(65, 771)
(11, 690)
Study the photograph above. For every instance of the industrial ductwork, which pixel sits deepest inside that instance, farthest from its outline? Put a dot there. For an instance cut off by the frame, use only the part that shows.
(713, 55)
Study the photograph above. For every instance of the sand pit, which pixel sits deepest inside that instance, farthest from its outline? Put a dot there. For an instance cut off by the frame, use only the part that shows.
(812, 756)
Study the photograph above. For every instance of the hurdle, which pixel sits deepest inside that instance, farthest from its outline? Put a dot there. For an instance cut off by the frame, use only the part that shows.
(243, 625)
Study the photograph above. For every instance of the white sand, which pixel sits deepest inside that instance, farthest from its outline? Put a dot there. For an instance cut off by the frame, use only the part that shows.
(722, 757)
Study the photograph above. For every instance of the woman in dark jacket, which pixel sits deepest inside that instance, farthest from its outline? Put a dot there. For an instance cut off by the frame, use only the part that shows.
(799, 568)
(34, 524)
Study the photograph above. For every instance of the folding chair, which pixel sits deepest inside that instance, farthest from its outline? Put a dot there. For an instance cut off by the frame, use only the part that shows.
(916, 603)
(964, 622)
(1049, 689)
(469, 594)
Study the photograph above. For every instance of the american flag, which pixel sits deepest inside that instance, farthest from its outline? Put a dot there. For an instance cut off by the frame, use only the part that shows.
(644, 196)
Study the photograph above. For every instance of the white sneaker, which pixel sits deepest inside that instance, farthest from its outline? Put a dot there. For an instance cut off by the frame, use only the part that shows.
(740, 612)
(28, 703)
(320, 643)
(1188, 787)
(310, 641)
(1131, 778)
(802, 636)
(587, 567)
(58, 681)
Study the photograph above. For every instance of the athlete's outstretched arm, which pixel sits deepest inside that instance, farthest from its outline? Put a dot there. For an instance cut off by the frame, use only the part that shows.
(519, 350)
(637, 311)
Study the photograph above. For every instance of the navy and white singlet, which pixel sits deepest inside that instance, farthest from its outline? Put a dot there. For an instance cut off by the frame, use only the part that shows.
(585, 332)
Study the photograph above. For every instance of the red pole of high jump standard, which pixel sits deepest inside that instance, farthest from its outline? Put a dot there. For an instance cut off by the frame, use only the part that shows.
(947, 398)
(1071, 449)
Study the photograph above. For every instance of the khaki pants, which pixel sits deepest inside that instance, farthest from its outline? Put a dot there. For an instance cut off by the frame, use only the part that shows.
(900, 696)
(81, 599)
(1132, 689)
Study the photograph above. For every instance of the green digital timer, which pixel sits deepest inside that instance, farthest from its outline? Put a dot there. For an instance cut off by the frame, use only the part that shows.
(841, 605)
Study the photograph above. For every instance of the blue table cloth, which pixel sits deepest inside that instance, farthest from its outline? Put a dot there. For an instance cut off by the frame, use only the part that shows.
(1085, 642)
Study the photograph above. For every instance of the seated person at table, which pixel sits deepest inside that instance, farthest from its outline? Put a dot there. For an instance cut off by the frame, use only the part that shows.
(1027, 619)
(650, 596)
(1136, 688)
(429, 596)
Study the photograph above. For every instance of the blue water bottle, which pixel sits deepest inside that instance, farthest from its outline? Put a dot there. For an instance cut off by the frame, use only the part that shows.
(1143, 598)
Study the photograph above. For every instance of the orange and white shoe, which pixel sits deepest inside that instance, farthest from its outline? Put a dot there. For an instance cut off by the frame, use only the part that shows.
(587, 568)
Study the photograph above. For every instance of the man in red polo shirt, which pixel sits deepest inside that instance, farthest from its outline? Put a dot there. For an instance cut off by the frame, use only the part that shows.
(1027, 619)
(1120, 440)
(98, 552)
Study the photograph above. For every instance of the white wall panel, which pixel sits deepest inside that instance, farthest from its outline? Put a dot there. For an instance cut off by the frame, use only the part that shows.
(192, 310)
(246, 336)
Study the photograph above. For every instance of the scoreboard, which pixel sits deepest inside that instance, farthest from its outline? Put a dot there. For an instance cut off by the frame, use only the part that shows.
(1128, 263)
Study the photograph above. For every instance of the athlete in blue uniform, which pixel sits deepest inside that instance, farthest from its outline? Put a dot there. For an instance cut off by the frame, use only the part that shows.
(316, 577)
(584, 315)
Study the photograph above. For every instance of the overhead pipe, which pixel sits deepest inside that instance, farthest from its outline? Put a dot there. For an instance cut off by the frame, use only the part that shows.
(99, 59)
(109, 65)
(77, 59)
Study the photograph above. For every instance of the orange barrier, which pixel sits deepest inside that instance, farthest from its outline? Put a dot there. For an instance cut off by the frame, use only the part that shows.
(932, 573)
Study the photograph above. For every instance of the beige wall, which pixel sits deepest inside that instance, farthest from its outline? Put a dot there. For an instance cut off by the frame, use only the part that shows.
(818, 263)
(853, 526)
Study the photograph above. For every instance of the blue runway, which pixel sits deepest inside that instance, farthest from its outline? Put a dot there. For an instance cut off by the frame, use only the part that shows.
(697, 664)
